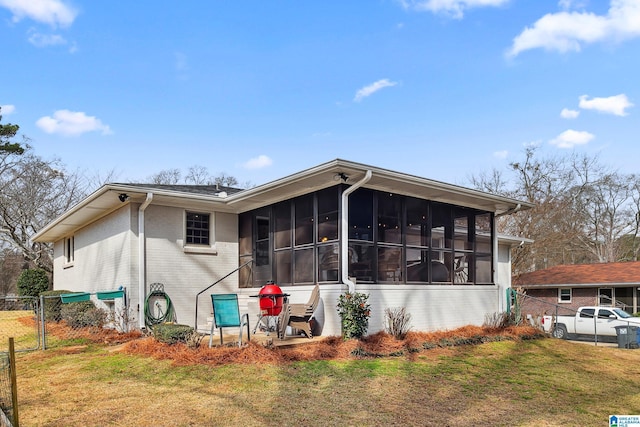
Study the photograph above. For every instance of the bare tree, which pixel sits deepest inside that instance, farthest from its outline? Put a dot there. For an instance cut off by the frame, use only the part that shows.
(198, 175)
(609, 214)
(583, 212)
(36, 192)
(11, 263)
(225, 180)
(166, 177)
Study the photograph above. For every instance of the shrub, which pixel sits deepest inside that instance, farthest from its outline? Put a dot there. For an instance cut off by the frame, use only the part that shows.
(354, 311)
(498, 320)
(171, 333)
(397, 322)
(82, 314)
(52, 306)
(32, 282)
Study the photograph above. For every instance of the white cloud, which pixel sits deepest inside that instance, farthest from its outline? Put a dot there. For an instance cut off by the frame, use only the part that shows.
(571, 4)
(7, 109)
(570, 138)
(44, 40)
(71, 123)
(501, 154)
(613, 105)
(259, 162)
(454, 8)
(568, 31)
(569, 114)
(52, 12)
(373, 88)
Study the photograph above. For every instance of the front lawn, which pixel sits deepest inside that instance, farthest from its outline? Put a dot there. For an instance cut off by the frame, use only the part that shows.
(537, 382)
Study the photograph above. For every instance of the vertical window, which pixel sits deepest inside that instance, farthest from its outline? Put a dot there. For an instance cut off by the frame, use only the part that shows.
(483, 259)
(283, 267)
(417, 222)
(389, 214)
(361, 262)
(68, 250)
(303, 260)
(564, 295)
(389, 263)
(262, 241)
(304, 220)
(361, 215)
(282, 214)
(328, 214)
(197, 231)
(328, 263)
(245, 247)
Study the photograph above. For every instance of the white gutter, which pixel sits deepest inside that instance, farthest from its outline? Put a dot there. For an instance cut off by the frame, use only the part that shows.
(344, 231)
(509, 211)
(142, 260)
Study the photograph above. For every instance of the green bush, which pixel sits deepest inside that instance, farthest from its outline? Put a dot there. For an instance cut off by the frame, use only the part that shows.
(52, 306)
(83, 313)
(171, 333)
(32, 282)
(354, 311)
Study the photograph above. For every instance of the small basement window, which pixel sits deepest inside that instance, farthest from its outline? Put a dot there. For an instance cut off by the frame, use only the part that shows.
(564, 295)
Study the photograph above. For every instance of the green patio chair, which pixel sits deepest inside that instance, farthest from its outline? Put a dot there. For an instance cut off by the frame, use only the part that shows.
(226, 314)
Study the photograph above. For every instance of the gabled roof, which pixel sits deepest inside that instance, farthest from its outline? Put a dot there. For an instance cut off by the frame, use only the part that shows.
(106, 199)
(581, 275)
(186, 188)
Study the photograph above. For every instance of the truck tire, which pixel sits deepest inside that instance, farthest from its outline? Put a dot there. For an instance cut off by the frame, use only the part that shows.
(560, 332)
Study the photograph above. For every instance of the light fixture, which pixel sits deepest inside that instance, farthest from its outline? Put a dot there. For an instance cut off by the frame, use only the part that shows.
(123, 197)
(340, 176)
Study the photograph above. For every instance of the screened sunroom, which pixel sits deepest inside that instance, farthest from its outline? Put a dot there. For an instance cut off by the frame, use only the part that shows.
(392, 239)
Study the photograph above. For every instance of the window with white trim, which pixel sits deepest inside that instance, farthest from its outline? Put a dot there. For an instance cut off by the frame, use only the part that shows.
(564, 295)
(199, 233)
(68, 250)
(197, 228)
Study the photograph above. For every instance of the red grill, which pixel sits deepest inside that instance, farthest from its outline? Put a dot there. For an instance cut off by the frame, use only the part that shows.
(271, 299)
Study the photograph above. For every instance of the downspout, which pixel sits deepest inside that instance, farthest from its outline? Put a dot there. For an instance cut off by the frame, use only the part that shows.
(509, 211)
(344, 232)
(142, 260)
(502, 304)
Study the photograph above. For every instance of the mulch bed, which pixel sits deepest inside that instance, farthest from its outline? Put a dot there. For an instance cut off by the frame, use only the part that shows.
(376, 345)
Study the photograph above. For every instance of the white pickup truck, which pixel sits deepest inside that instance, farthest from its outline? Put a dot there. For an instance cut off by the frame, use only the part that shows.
(589, 321)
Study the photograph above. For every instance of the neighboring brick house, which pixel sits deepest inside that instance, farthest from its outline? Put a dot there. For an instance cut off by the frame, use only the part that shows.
(567, 287)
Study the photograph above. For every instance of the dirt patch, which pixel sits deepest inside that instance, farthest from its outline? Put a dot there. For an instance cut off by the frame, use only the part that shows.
(330, 348)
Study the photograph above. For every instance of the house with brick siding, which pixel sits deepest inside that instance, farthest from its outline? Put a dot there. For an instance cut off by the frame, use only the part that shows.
(405, 240)
(568, 287)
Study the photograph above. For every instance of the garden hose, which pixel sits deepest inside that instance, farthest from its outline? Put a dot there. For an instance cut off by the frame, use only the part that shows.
(168, 316)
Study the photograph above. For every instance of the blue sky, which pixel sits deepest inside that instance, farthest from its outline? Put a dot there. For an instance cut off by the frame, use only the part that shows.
(262, 89)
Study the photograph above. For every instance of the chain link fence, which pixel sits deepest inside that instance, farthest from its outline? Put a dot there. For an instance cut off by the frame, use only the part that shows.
(551, 317)
(19, 319)
(49, 322)
(70, 320)
(6, 391)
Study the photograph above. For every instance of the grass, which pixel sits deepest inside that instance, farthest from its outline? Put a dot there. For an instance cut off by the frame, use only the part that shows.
(540, 382)
(21, 326)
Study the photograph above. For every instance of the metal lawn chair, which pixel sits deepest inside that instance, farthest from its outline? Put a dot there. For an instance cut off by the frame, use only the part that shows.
(226, 314)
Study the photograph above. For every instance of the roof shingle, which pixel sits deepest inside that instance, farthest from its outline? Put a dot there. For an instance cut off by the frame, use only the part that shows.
(613, 272)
